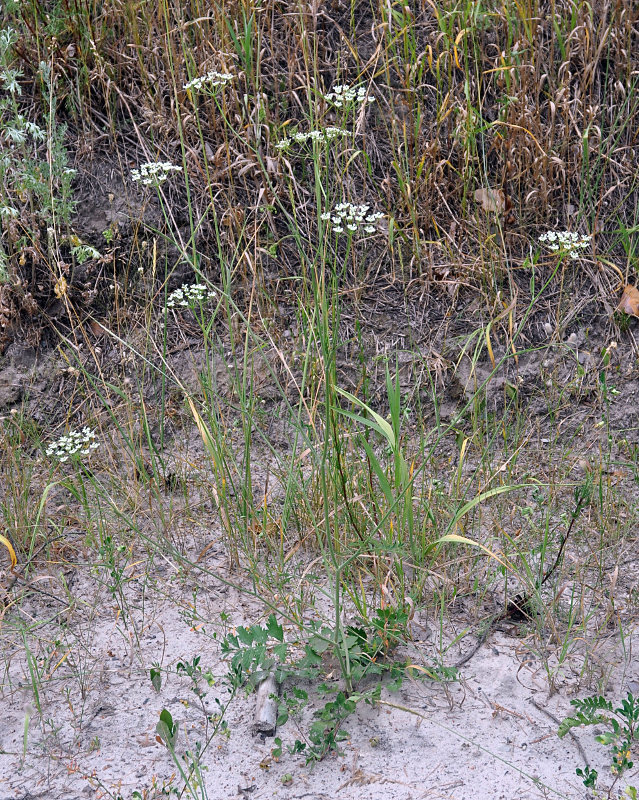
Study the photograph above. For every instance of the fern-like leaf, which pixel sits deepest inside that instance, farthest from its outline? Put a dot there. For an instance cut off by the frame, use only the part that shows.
(588, 713)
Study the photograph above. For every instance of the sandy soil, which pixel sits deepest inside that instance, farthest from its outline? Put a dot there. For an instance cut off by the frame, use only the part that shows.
(491, 734)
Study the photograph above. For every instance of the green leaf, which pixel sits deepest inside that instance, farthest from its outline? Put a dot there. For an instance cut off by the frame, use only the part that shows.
(229, 643)
(166, 717)
(245, 635)
(579, 720)
(274, 629)
(166, 729)
(589, 705)
(156, 678)
(260, 635)
(310, 659)
(318, 644)
(282, 717)
(480, 499)
(379, 472)
(377, 423)
(281, 651)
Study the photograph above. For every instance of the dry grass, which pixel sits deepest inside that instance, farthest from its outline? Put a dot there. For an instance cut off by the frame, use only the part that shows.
(536, 100)
(492, 123)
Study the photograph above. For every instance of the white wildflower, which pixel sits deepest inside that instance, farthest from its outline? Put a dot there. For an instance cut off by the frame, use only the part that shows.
(153, 173)
(566, 241)
(210, 81)
(189, 295)
(331, 132)
(352, 218)
(74, 444)
(344, 95)
(324, 135)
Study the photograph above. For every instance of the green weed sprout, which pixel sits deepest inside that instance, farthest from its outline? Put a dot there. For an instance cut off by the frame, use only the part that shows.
(623, 730)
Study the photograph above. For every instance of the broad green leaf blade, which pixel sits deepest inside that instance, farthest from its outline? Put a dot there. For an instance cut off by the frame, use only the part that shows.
(370, 423)
(480, 499)
(156, 678)
(381, 477)
(382, 426)
(275, 630)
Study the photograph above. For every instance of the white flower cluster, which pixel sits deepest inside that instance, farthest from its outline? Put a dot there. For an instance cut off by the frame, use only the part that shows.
(324, 135)
(565, 240)
(211, 80)
(190, 294)
(154, 173)
(344, 95)
(346, 216)
(73, 444)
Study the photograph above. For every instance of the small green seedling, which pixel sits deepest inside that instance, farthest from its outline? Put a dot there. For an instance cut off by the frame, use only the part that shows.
(155, 674)
(167, 730)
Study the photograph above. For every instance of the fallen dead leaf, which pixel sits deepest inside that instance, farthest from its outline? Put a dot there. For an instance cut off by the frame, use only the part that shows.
(96, 328)
(491, 200)
(60, 287)
(629, 302)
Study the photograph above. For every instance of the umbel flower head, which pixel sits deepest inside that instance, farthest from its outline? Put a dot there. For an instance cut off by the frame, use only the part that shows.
(325, 135)
(153, 173)
(569, 242)
(190, 294)
(210, 81)
(348, 218)
(345, 95)
(74, 444)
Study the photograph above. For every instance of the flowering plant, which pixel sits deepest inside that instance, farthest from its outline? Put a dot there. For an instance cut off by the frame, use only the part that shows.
(190, 294)
(349, 217)
(570, 243)
(74, 443)
(345, 95)
(323, 135)
(210, 81)
(153, 173)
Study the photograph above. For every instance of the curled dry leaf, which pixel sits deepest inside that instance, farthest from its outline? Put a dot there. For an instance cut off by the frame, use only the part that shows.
(491, 200)
(629, 302)
(12, 552)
